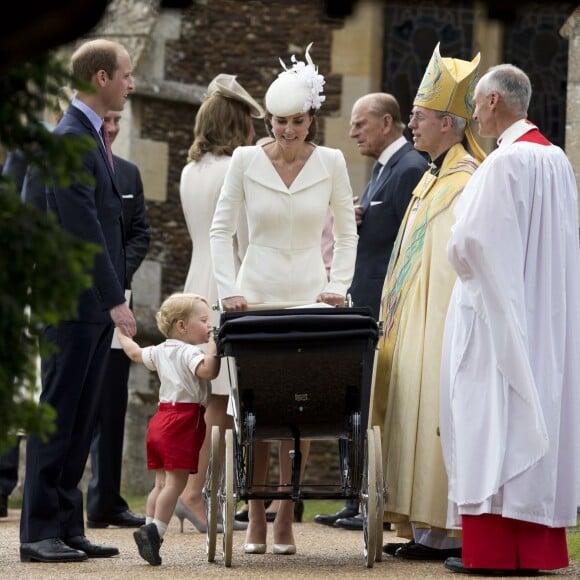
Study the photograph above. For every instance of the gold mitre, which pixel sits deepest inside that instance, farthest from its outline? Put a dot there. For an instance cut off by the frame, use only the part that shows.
(448, 85)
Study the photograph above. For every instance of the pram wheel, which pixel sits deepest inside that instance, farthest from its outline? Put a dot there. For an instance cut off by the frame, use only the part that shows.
(228, 505)
(368, 500)
(380, 493)
(210, 493)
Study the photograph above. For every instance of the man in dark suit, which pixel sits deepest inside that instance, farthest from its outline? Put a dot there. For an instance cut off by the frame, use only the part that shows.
(52, 523)
(377, 127)
(105, 504)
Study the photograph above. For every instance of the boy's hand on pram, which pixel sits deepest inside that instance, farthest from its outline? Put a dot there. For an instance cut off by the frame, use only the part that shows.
(330, 298)
(234, 304)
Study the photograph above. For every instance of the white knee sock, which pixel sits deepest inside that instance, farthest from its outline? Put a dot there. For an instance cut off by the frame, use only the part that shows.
(161, 527)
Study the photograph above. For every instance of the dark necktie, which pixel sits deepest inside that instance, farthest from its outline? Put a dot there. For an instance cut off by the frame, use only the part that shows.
(370, 188)
(375, 173)
(107, 142)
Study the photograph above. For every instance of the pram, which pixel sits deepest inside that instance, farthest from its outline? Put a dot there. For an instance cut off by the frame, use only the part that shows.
(298, 373)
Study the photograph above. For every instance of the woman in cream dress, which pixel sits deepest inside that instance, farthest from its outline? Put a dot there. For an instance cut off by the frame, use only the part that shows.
(223, 122)
(285, 188)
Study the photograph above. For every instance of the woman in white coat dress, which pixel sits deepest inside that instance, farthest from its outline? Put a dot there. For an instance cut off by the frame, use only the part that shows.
(223, 122)
(286, 188)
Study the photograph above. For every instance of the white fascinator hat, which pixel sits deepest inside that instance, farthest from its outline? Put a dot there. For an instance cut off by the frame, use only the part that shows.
(297, 89)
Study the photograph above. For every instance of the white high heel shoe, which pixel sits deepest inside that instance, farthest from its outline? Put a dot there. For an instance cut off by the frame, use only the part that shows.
(284, 549)
(254, 548)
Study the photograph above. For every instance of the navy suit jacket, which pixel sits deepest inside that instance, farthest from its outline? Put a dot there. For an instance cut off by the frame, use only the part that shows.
(136, 224)
(94, 213)
(137, 229)
(384, 209)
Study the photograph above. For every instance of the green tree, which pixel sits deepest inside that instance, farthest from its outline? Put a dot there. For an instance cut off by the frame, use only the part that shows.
(43, 269)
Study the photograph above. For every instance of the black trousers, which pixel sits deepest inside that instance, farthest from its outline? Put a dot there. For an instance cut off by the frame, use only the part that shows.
(52, 503)
(104, 489)
(9, 470)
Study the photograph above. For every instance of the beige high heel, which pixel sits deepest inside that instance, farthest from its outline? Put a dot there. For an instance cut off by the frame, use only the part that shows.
(182, 512)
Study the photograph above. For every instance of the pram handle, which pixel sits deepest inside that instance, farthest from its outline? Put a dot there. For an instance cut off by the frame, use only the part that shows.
(282, 305)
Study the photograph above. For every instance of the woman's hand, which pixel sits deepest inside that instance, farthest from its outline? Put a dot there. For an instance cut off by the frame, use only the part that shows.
(332, 299)
(234, 304)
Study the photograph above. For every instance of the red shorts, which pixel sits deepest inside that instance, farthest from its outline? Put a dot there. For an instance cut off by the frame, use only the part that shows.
(492, 541)
(175, 436)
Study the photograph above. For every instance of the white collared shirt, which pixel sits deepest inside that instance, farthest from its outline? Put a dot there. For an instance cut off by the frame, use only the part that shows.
(390, 151)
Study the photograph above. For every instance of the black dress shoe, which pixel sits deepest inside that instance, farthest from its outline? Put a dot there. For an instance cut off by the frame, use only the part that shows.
(353, 523)
(414, 551)
(126, 519)
(456, 565)
(242, 515)
(149, 543)
(50, 550)
(392, 547)
(90, 549)
(330, 519)
(298, 511)
(3, 506)
(356, 523)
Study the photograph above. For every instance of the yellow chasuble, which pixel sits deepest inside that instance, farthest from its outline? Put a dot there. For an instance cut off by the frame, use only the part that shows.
(405, 393)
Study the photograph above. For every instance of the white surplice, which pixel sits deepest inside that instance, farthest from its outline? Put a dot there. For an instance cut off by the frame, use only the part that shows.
(510, 373)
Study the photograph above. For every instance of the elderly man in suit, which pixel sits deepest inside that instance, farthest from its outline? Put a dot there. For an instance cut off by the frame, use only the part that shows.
(52, 523)
(105, 504)
(377, 127)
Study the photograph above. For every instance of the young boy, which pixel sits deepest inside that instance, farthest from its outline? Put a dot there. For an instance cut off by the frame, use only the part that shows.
(177, 430)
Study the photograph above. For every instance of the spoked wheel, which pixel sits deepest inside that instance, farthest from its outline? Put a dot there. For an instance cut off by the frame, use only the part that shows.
(354, 453)
(246, 461)
(380, 492)
(343, 459)
(228, 505)
(368, 500)
(210, 493)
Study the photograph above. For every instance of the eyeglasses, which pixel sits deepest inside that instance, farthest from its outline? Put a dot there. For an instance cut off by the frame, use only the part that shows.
(418, 117)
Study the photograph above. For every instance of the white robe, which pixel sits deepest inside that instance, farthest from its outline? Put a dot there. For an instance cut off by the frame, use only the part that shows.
(510, 373)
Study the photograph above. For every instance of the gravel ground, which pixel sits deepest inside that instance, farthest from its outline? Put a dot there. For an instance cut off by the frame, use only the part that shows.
(322, 553)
